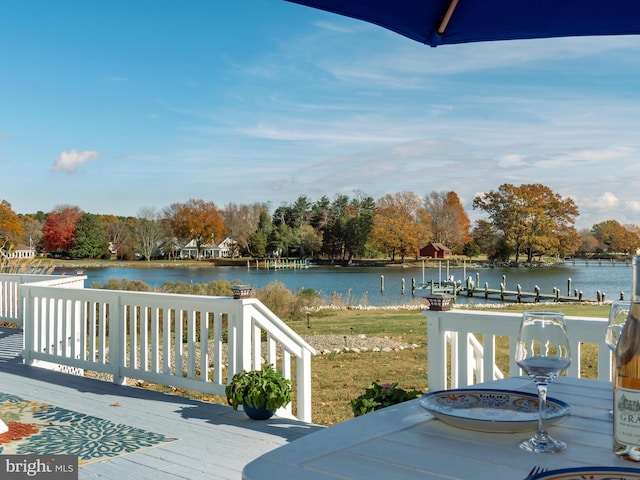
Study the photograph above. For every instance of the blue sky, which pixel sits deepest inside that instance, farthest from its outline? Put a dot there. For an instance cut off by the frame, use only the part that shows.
(118, 105)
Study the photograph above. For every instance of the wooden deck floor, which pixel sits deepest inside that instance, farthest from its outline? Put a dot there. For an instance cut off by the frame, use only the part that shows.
(214, 441)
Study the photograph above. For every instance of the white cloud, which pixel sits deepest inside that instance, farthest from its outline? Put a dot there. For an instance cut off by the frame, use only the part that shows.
(70, 161)
(603, 203)
(608, 200)
(588, 156)
(511, 160)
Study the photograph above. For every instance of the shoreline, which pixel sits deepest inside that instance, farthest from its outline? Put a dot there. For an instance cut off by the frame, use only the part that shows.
(242, 262)
(457, 262)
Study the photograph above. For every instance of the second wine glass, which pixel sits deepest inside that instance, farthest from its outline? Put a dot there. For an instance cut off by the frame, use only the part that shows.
(543, 353)
(617, 318)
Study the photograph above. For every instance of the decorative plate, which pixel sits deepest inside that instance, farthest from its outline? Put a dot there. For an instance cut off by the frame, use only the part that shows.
(590, 473)
(487, 410)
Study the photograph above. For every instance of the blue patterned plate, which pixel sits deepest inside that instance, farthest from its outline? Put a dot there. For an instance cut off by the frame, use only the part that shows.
(592, 473)
(487, 410)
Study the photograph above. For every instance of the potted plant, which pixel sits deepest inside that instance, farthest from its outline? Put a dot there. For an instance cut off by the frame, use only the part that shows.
(260, 392)
(379, 396)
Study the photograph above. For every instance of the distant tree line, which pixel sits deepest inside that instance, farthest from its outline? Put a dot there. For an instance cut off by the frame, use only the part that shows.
(523, 222)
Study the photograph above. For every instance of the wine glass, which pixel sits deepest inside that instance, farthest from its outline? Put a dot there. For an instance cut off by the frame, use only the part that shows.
(617, 318)
(543, 353)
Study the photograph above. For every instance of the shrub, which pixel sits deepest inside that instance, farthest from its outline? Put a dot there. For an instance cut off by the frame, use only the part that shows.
(380, 396)
(124, 284)
(285, 304)
(215, 289)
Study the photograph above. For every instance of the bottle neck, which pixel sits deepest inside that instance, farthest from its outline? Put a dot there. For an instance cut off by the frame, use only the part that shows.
(635, 280)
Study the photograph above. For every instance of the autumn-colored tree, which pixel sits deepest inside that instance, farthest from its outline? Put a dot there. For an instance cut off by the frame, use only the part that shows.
(11, 229)
(530, 217)
(588, 242)
(569, 240)
(613, 237)
(449, 222)
(633, 237)
(401, 224)
(59, 229)
(198, 220)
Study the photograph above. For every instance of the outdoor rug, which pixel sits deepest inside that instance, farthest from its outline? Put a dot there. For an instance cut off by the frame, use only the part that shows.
(40, 429)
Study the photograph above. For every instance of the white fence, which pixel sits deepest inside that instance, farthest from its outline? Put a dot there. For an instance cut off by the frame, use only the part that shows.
(10, 306)
(462, 346)
(188, 341)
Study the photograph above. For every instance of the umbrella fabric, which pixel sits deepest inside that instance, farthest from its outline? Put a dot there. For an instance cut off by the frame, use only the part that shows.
(439, 22)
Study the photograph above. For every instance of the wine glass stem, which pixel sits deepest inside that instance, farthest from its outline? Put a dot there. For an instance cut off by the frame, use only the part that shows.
(541, 434)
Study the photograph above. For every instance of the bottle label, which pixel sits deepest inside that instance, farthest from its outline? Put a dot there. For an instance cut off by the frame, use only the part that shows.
(626, 410)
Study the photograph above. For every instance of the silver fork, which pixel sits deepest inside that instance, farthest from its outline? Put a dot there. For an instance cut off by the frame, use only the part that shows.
(535, 470)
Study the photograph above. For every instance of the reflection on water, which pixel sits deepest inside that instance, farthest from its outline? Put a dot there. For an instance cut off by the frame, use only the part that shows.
(363, 284)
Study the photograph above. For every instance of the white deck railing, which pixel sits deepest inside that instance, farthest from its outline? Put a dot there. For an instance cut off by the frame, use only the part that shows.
(188, 341)
(462, 346)
(10, 306)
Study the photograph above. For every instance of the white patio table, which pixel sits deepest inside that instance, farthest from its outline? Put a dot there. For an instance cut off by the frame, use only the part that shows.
(404, 441)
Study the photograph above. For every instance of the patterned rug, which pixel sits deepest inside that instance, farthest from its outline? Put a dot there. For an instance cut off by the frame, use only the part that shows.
(40, 429)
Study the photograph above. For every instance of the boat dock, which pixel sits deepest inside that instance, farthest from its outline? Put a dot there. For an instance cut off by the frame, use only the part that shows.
(472, 288)
(279, 264)
(469, 289)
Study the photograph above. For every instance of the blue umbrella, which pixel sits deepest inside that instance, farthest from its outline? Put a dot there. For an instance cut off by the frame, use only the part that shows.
(440, 22)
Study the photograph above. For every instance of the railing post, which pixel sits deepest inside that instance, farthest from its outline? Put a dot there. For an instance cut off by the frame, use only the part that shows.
(239, 342)
(303, 367)
(117, 339)
(436, 352)
(28, 325)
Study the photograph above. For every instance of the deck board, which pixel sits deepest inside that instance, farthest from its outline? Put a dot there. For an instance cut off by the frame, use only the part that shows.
(213, 441)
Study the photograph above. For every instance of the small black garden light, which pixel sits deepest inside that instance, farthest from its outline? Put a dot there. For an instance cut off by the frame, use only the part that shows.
(241, 291)
(440, 301)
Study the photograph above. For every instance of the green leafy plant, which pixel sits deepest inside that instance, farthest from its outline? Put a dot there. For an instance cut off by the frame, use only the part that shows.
(259, 388)
(379, 396)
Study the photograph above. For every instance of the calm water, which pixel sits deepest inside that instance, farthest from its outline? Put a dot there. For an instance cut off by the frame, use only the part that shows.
(358, 283)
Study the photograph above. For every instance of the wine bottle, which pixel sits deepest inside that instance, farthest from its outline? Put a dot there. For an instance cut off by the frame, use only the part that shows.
(626, 379)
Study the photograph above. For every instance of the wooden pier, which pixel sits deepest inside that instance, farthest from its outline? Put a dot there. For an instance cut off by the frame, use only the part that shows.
(520, 296)
(456, 288)
(472, 288)
(279, 264)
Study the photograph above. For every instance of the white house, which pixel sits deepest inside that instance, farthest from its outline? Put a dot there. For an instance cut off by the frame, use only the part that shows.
(224, 249)
(228, 248)
(190, 250)
(22, 251)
